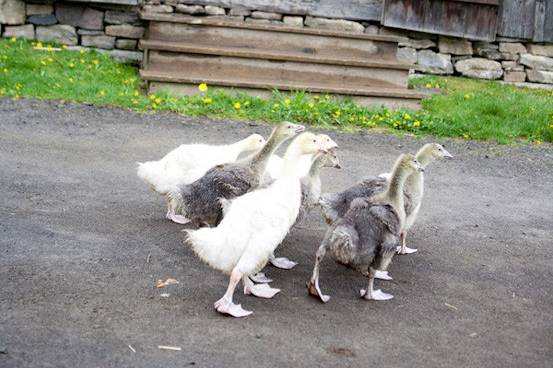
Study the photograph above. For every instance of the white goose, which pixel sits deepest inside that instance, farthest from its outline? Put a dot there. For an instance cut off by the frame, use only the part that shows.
(253, 226)
(189, 162)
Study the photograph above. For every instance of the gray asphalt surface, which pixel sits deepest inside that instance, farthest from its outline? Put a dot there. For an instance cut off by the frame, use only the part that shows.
(83, 241)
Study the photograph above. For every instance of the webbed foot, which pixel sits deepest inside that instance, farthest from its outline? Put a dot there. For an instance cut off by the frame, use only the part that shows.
(314, 290)
(260, 290)
(260, 278)
(282, 262)
(375, 295)
(382, 275)
(179, 219)
(225, 306)
(406, 250)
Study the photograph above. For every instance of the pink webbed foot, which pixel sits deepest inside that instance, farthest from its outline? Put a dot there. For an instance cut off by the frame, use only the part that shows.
(179, 219)
(225, 306)
(314, 290)
(282, 262)
(260, 290)
(260, 278)
(406, 250)
(382, 275)
(375, 295)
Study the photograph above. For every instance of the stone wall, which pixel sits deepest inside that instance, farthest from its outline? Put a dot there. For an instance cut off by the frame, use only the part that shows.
(108, 28)
(116, 30)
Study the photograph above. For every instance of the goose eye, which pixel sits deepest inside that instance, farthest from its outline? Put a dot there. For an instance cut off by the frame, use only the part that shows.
(314, 141)
(289, 126)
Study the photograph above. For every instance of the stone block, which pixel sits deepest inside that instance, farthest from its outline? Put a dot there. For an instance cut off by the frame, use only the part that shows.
(157, 8)
(334, 24)
(26, 31)
(512, 66)
(59, 33)
(39, 9)
(266, 15)
(239, 11)
(79, 16)
(512, 76)
(89, 32)
(42, 20)
(214, 10)
(417, 44)
(512, 47)
(407, 55)
(12, 12)
(429, 61)
(372, 29)
(479, 68)
(120, 17)
(540, 50)
(454, 46)
(100, 42)
(537, 62)
(540, 76)
(127, 57)
(190, 9)
(293, 21)
(125, 31)
(125, 44)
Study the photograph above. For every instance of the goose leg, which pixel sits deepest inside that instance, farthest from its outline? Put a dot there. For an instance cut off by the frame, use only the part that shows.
(225, 304)
(313, 286)
(403, 249)
(282, 262)
(259, 290)
(370, 293)
(260, 278)
(382, 275)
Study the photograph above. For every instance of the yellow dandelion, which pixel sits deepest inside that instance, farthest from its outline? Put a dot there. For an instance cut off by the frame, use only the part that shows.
(71, 79)
(6, 70)
(49, 48)
(39, 45)
(136, 94)
(466, 96)
(316, 97)
(18, 86)
(102, 93)
(13, 39)
(276, 105)
(287, 102)
(71, 65)
(95, 62)
(311, 105)
(550, 125)
(465, 135)
(337, 113)
(50, 59)
(43, 62)
(81, 51)
(64, 46)
(395, 125)
(327, 97)
(134, 102)
(407, 117)
(428, 85)
(538, 142)
(154, 105)
(82, 61)
(237, 105)
(202, 87)
(247, 103)
(417, 124)
(158, 101)
(208, 100)
(17, 96)
(152, 97)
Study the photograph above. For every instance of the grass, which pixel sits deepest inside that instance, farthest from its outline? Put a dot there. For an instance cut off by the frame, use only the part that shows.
(469, 109)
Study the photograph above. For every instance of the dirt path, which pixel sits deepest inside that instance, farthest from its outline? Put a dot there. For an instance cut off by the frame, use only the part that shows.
(83, 241)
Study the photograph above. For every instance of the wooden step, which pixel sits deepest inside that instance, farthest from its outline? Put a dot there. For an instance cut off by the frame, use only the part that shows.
(308, 42)
(266, 54)
(280, 72)
(160, 75)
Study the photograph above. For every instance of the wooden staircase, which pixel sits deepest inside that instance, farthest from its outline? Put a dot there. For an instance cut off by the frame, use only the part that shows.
(183, 51)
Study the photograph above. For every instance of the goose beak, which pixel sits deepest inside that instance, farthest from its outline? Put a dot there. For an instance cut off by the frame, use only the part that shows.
(300, 129)
(337, 166)
(447, 154)
(331, 144)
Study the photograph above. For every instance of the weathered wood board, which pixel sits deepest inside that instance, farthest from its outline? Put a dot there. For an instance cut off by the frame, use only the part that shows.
(350, 9)
(116, 2)
(527, 19)
(473, 19)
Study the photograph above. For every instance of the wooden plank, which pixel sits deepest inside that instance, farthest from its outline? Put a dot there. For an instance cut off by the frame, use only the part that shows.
(548, 23)
(263, 40)
(116, 2)
(266, 54)
(517, 19)
(161, 76)
(469, 19)
(221, 22)
(274, 72)
(351, 9)
(189, 89)
(539, 21)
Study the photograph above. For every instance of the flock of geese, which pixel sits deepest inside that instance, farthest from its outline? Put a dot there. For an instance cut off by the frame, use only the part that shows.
(244, 199)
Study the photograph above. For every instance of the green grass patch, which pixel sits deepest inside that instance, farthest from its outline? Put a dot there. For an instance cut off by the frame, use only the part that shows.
(469, 109)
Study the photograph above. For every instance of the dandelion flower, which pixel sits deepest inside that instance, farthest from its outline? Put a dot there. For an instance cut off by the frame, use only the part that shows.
(276, 105)
(18, 86)
(467, 96)
(81, 51)
(417, 124)
(95, 62)
(311, 105)
(39, 45)
(550, 125)
(287, 102)
(6, 70)
(135, 94)
(538, 142)
(407, 117)
(208, 100)
(154, 105)
(202, 87)
(158, 100)
(465, 135)
(50, 59)
(64, 46)
(428, 85)
(49, 48)
(152, 97)
(327, 97)
(237, 105)
(71, 65)
(247, 103)
(82, 61)
(13, 39)
(337, 113)
(43, 62)
(102, 93)
(71, 79)
(316, 97)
